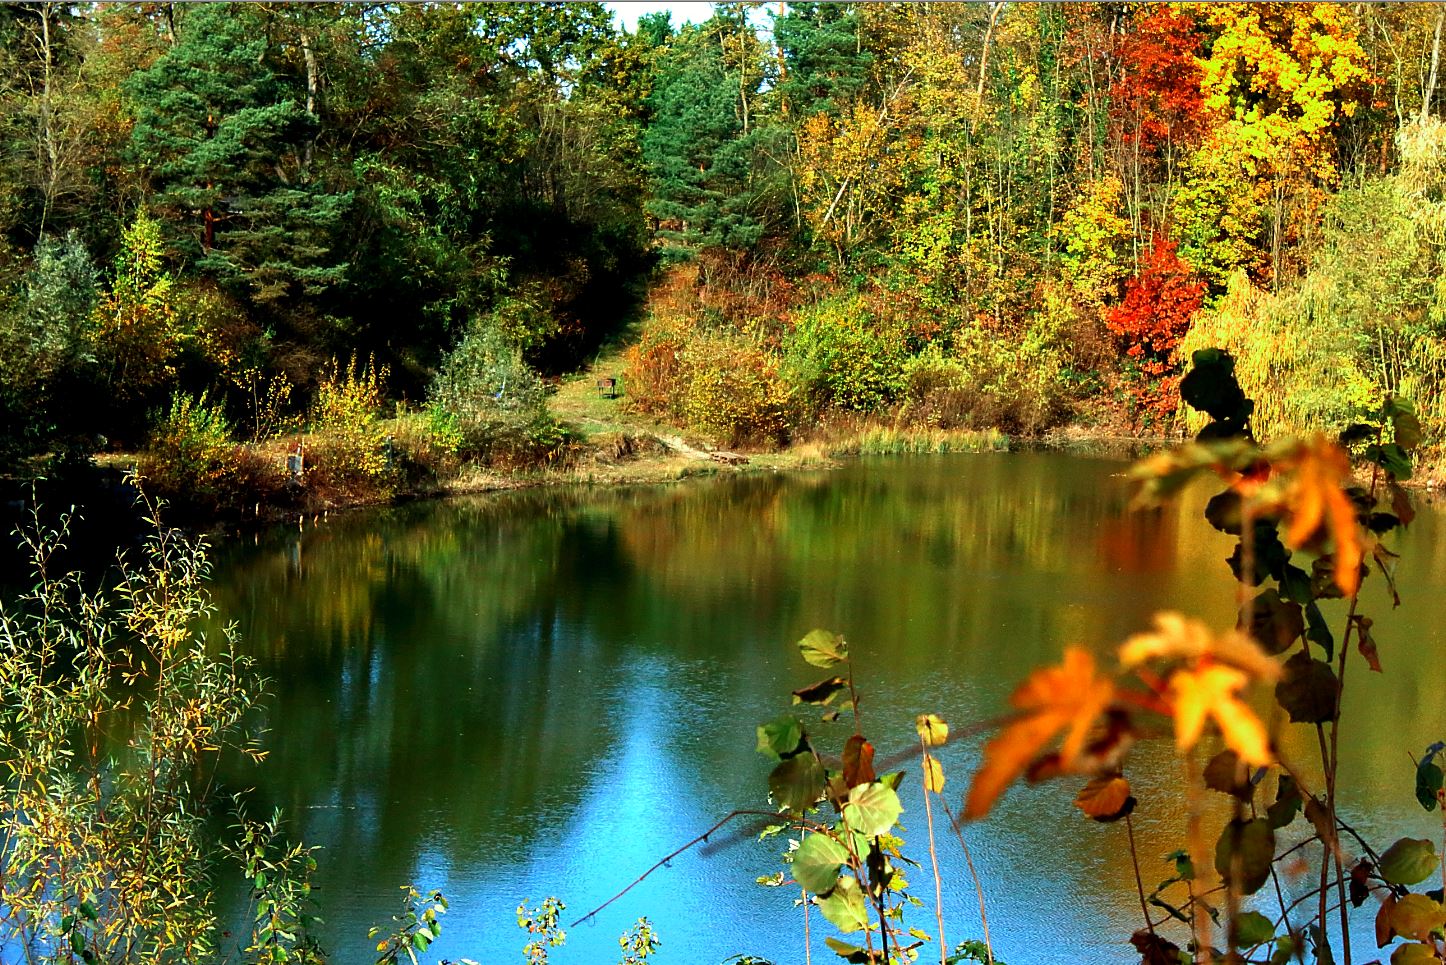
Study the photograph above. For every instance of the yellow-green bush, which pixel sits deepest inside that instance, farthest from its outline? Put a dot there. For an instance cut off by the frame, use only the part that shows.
(345, 450)
(732, 391)
(839, 355)
(191, 453)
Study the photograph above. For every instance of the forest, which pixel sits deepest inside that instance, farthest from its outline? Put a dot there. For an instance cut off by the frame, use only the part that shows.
(389, 230)
(261, 260)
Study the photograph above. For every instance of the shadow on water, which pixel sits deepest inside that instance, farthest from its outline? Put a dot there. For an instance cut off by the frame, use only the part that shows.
(544, 692)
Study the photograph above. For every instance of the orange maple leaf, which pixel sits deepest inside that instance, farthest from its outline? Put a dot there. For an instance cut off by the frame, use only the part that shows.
(1211, 690)
(1069, 698)
(1317, 496)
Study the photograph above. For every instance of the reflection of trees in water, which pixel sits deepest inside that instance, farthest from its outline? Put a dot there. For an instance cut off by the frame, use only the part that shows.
(452, 675)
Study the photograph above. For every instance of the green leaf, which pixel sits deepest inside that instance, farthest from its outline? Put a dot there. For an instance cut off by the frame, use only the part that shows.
(1223, 512)
(845, 906)
(1317, 631)
(821, 693)
(1251, 845)
(849, 953)
(780, 738)
(1406, 424)
(420, 940)
(1428, 782)
(797, 783)
(816, 862)
(1295, 584)
(1287, 803)
(1308, 690)
(1252, 928)
(823, 649)
(1356, 433)
(1409, 861)
(872, 809)
(1392, 458)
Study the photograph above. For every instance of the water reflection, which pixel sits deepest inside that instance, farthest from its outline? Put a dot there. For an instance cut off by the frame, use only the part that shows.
(543, 693)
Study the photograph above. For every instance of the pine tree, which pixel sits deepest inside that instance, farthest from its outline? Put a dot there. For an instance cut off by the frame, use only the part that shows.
(223, 140)
(700, 159)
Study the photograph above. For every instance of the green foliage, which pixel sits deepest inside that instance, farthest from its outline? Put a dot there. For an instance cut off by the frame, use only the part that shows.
(541, 922)
(191, 452)
(225, 144)
(638, 943)
(345, 448)
(839, 355)
(283, 908)
(487, 399)
(46, 346)
(107, 845)
(702, 158)
(413, 928)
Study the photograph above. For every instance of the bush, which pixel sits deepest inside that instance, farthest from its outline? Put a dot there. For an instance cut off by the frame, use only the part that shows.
(487, 403)
(191, 455)
(653, 373)
(837, 356)
(1019, 383)
(732, 391)
(346, 443)
(112, 856)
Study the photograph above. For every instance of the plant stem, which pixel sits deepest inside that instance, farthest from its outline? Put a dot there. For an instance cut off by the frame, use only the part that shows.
(934, 860)
(1139, 882)
(978, 888)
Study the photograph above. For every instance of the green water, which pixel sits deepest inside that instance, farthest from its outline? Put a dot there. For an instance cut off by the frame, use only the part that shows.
(543, 693)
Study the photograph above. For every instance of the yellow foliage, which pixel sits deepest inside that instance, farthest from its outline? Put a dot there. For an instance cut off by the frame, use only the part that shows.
(1285, 74)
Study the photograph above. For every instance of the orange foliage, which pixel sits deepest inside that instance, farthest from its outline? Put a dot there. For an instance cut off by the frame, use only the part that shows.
(1069, 698)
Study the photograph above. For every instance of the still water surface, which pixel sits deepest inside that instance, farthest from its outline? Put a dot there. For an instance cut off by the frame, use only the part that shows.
(543, 693)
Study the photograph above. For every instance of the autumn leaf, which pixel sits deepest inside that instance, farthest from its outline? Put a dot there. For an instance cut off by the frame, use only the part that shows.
(933, 775)
(1210, 691)
(932, 729)
(1068, 698)
(1104, 798)
(1177, 637)
(1317, 497)
(858, 762)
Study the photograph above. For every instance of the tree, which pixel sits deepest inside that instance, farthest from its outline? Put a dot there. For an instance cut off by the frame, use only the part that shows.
(703, 163)
(224, 140)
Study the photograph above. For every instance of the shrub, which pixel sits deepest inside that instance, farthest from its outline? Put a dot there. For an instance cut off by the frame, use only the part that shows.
(111, 856)
(489, 403)
(191, 454)
(1295, 363)
(653, 372)
(346, 443)
(732, 391)
(837, 356)
(1019, 383)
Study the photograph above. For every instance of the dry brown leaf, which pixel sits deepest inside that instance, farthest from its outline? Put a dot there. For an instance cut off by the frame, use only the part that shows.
(1210, 691)
(1068, 698)
(1103, 797)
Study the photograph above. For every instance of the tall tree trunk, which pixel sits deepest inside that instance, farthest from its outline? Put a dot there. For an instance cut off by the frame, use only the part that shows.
(1428, 90)
(313, 88)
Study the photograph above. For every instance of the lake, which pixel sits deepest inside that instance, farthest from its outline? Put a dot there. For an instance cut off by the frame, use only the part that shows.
(543, 693)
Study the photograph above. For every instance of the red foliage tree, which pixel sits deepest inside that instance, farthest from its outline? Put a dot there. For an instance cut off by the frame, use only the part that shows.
(1159, 302)
(1155, 100)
